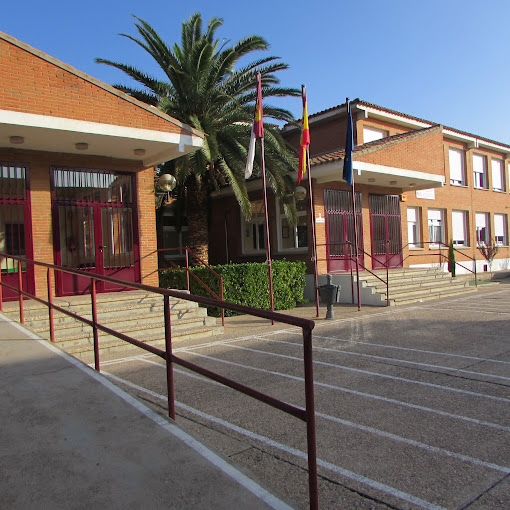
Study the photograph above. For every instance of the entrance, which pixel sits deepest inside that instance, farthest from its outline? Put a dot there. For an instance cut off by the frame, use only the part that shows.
(340, 230)
(15, 229)
(386, 231)
(95, 228)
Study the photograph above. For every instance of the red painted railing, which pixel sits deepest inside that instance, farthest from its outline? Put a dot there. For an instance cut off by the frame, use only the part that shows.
(176, 267)
(441, 256)
(306, 414)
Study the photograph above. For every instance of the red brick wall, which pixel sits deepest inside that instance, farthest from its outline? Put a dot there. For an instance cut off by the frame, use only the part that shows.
(31, 84)
(463, 198)
(423, 154)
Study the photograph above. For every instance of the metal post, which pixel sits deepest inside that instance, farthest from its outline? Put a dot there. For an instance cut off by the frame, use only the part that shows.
(187, 269)
(387, 286)
(310, 420)
(94, 326)
(352, 276)
(223, 309)
(268, 244)
(1, 289)
(314, 237)
(50, 307)
(20, 288)
(356, 243)
(310, 194)
(169, 362)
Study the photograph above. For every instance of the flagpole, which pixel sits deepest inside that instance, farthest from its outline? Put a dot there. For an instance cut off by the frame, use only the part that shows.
(314, 237)
(258, 132)
(356, 250)
(268, 244)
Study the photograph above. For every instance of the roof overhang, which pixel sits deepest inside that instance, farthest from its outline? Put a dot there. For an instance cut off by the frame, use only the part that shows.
(379, 175)
(57, 134)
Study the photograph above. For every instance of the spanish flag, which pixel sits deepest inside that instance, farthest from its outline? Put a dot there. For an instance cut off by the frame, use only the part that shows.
(305, 138)
(257, 130)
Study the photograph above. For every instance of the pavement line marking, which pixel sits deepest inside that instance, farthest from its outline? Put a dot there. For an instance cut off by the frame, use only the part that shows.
(376, 374)
(417, 363)
(421, 351)
(290, 450)
(173, 429)
(362, 394)
(365, 428)
(467, 310)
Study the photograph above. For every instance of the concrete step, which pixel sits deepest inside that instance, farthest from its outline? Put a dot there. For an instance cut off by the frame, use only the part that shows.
(403, 300)
(110, 344)
(417, 285)
(411, 285)
(417, 292)
(113, 318)
(404, 281)
(136, 314)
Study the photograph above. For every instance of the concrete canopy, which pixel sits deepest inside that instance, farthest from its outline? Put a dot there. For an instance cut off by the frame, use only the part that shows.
(47, 105)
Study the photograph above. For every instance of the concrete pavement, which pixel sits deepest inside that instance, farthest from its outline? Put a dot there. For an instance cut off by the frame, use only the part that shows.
(72, 439)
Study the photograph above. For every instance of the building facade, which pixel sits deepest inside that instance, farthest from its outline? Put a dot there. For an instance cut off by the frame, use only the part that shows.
(418, 186)
(77, 164)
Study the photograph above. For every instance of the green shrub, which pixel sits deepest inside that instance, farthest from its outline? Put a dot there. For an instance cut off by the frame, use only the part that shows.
(245, 284)
(451, 258)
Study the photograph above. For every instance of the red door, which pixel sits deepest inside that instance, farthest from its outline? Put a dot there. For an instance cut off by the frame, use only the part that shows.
(340, 229)
(386, 231)
(94, 214)
(15, 228)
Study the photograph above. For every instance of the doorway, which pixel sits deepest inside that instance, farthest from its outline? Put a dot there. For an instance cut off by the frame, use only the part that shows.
(386, 231)
(95, 228)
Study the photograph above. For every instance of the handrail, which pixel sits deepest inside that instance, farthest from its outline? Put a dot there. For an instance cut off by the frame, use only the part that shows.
(306, 414)
(400, 253)
(441, 246)
(188, 252)
(353, 259)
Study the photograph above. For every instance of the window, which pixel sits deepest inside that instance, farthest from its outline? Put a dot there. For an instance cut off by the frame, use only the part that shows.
(175, 233)
(500, 229)
(459, 228)
(482, 228)
(293, 238)
(413, 227)
(436, 226)
(371, 134)
(457, 167)
(498, 175)
(480, 171)
(254, 237)
(13, 203)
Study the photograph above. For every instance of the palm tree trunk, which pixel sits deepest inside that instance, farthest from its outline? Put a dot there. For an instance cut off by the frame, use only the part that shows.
(198, 233)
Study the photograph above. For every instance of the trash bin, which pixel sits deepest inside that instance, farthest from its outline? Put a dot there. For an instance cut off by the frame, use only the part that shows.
(329, 294)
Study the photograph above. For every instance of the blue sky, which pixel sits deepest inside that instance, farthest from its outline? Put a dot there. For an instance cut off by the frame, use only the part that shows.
(442, 60)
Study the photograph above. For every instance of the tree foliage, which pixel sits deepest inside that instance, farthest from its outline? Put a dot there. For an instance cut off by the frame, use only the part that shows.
(206, 87)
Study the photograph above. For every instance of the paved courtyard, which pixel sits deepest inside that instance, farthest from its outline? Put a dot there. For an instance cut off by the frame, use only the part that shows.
(412, 403)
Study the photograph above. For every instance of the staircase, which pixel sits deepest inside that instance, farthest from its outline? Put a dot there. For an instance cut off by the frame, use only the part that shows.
(410, 285)
(137, 314)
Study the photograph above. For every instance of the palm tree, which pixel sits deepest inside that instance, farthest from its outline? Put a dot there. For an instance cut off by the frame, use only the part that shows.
(203, 89)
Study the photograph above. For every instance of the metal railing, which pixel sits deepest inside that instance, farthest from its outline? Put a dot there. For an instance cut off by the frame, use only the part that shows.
(440, 246)
(442, 257)
(306, 414)
(175, 267)
(350, 256)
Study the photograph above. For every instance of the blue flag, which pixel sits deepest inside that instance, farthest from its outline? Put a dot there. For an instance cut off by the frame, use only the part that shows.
(347, 175)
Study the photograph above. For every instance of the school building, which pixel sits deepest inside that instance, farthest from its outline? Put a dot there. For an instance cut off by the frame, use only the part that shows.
(77, 161)
(418, 184)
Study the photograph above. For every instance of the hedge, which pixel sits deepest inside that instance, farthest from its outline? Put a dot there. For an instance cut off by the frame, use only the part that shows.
(245, 284)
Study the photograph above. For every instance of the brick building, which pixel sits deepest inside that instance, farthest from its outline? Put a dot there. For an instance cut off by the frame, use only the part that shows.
(418, 184)
(77, 172)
